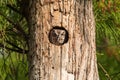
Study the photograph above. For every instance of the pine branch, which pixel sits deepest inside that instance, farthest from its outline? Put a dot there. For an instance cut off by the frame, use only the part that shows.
(106, 73)
(14, 9)
(13, 45)
(21, 51)
(17, 26)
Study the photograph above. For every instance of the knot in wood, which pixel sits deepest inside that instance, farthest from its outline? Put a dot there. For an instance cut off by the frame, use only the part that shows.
(58, 35)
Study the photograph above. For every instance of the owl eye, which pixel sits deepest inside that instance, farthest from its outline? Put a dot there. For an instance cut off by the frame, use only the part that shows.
(53, 33)
(63, 33)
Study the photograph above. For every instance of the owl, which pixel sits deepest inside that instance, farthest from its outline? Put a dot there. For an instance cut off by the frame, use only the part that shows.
(57, 36)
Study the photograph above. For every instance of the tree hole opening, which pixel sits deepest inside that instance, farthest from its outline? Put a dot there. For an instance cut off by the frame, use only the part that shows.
(58, 35)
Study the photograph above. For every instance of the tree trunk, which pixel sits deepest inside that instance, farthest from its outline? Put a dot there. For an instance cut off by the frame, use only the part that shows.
(62, 40)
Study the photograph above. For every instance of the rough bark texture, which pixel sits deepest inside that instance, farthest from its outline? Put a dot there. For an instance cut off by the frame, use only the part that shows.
(74, 60)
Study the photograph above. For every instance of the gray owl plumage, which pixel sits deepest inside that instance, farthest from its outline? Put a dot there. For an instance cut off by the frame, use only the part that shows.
(57, 36)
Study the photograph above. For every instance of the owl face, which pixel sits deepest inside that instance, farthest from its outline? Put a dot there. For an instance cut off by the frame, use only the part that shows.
(60, 35)
(57, 36)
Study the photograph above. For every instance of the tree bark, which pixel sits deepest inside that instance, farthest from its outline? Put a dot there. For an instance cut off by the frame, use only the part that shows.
(73, 60)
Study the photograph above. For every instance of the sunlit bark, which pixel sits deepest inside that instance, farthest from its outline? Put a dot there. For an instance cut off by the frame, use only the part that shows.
(73, 60)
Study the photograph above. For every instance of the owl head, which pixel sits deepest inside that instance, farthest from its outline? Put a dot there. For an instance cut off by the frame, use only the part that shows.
(58, 36)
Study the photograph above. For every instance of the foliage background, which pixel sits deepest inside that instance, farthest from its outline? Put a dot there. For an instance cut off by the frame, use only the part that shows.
(13, 43)
(107, 16)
